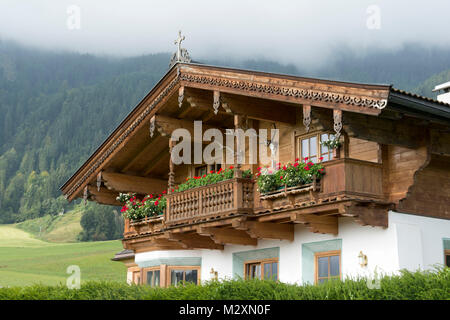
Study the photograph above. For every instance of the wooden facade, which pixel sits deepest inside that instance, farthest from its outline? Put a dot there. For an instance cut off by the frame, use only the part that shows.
(395, 155)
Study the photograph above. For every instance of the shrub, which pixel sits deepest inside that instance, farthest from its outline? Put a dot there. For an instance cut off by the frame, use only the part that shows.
(408, 285)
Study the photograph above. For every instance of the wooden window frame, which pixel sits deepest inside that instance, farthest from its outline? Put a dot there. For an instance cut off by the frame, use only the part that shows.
(446, 253)
(208, 168)
(322, 254)
(318, 134)
(135, 270)
(156, 268)
(262, 262)
(170, 268)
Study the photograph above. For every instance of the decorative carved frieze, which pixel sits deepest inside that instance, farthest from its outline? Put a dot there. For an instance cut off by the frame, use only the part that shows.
(216, 102)
(99, 180)
(312, 95)
(307, 116)
(85, 194)
(152, 126)
(180, 96)
(337, 117)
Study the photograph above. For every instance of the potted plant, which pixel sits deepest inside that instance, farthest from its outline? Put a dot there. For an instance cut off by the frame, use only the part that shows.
(335, 145)
(134, 209)
(289, 177)
(210, 178)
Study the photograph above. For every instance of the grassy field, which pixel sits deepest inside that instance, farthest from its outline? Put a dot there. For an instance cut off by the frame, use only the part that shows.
(63, 228)
(26, 260)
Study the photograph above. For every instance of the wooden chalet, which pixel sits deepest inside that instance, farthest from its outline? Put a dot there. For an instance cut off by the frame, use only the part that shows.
(392, 170)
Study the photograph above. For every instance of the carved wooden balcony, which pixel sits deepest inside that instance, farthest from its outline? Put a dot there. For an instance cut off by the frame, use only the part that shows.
(223, 199)
(344, 179)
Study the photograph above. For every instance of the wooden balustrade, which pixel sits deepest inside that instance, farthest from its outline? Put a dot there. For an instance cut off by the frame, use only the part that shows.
(353, 178)
(233, 196)
(344, 179)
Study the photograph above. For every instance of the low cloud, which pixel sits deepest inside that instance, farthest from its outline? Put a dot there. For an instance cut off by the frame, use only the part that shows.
(300, 32)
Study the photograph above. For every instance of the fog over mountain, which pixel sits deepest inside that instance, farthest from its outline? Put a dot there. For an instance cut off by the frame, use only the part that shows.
(305, 33)
(63, 89)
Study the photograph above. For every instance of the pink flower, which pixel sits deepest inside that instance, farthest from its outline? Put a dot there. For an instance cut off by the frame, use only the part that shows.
(156, 203)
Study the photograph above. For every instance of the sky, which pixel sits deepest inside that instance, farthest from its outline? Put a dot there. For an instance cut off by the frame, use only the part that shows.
(288, 31)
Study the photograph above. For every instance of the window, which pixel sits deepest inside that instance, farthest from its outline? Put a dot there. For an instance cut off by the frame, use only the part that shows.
(447, 257)
(312, 148)
(327, 265)
(152, 277)
(136, 277)
(200, 171)
(268, 267)
(204, 169)
(184, 274)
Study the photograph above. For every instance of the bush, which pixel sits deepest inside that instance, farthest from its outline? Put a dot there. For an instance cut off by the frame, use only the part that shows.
(100, 223)
(418, 285)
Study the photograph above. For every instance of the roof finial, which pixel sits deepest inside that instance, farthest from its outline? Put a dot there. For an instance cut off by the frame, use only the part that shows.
(181, 55)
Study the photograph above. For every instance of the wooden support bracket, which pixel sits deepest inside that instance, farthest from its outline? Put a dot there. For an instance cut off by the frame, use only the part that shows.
(316, 223)
(266, 230)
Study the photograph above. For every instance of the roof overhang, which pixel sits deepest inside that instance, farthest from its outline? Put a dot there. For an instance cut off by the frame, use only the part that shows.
(366, 99)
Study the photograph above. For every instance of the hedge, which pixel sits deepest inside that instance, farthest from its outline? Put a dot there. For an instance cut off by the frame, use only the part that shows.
(432, 285)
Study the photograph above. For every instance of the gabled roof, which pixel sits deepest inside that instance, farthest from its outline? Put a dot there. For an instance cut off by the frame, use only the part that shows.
(369, 99)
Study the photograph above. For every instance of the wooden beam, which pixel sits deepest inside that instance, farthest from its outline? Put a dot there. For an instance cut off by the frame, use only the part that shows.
(261, 230)
(368, 214)
(193, 241)
(317, 224)
(384, 131)
(260, 109)
(254, 108)
(440, 142)
(151, 165)
(104, 196)
(145, 152)
(127, 183)
(227, 236)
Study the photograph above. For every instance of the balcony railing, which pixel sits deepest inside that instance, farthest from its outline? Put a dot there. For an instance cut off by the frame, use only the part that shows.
(352, 178)
(222, 199)
(344, 179)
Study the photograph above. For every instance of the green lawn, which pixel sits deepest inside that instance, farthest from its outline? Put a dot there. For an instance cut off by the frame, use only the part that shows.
(25, 260)
(63, 228)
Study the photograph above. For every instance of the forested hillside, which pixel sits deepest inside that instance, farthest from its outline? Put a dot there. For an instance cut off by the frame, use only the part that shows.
(56, 108)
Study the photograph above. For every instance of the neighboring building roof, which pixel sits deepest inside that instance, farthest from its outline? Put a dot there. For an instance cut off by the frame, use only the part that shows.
(442, 86)
(122, 255)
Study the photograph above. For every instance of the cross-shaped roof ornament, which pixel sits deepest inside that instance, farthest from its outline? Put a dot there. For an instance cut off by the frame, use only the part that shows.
(181, 55)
